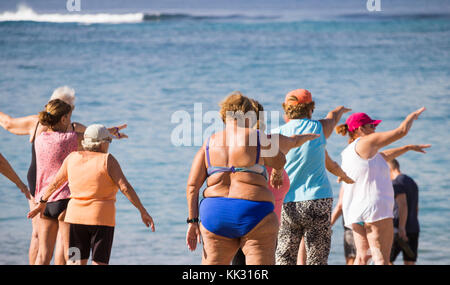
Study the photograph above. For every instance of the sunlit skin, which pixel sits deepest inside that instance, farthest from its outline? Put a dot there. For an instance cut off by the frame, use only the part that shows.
(28, 125)
(378, 236)
(116, 174)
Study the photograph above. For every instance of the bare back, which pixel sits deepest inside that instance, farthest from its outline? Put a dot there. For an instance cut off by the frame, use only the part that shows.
(235, 149)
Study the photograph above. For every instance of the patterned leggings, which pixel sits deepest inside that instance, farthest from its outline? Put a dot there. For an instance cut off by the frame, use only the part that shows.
(308, 219)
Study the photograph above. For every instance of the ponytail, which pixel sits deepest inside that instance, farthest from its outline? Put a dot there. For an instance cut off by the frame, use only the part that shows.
(53, 112)
(343, 131)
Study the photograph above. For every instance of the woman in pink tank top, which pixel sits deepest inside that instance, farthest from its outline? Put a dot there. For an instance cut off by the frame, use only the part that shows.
(52, 147)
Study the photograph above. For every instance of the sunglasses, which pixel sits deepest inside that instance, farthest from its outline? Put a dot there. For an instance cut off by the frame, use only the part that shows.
(372, 126)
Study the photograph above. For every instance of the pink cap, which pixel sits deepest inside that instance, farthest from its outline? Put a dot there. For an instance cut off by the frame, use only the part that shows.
(357, 120)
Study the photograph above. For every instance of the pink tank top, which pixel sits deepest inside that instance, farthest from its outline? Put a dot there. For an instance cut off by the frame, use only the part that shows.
(279, 193)
(51, 150)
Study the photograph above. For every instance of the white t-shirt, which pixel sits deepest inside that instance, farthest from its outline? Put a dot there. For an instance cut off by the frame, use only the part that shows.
(371, 197)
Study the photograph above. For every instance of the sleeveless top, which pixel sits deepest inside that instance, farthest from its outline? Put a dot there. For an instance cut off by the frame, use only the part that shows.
(93, 192)
(371, 197)
(305, 165)
(51, 150)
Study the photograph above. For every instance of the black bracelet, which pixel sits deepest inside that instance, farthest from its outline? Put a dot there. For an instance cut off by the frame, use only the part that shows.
(42, 201)
(190, 221)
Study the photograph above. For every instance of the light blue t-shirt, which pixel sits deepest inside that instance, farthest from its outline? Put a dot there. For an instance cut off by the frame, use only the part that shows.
(305, 165)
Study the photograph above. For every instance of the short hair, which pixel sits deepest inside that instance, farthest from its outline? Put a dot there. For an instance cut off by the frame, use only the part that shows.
(64, 93)
(394, 164)
(236, 103)
(298, 111)
(260, 125)
(91, 146)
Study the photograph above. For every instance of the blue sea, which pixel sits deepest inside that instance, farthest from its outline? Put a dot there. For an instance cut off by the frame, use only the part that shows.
(139, 62)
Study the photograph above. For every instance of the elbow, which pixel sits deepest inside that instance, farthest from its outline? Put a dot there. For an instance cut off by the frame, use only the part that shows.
(331, 166)
(125, 190)
(191, 191)
(402, 131)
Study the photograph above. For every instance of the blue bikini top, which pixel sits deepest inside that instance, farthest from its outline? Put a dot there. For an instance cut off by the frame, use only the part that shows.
(256, 168)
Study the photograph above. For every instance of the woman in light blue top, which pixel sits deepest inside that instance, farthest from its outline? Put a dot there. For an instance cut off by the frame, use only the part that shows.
(307, 206)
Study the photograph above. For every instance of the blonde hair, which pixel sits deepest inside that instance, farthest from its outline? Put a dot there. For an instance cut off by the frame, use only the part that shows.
(299, 111)
(343, 130)
(237, 104)
(64, 93)
(53, 112)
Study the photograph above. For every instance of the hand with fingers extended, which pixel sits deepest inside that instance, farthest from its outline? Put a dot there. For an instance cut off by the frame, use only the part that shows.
(345, 179)
(411, 118)
(419, 147)
(301, 139)
(148, 220)
(24, 189)
(402, 234)
(193, 236)
(276, 178)
(417, 113)
(115, 131)
(39, 209)
(345, 110)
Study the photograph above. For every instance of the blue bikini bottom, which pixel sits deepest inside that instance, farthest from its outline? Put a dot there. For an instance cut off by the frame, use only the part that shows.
(230, 217)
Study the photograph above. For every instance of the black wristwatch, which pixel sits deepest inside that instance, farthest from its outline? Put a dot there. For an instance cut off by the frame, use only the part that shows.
(42, 201)
(190, 221)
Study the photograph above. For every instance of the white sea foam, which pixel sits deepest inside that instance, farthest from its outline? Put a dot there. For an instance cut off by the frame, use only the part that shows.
(25, 13)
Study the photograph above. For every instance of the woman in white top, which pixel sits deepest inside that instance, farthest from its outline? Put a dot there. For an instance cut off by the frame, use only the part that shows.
(368, 203)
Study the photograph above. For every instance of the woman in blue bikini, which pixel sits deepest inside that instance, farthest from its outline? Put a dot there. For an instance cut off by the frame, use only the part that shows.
(237, 209)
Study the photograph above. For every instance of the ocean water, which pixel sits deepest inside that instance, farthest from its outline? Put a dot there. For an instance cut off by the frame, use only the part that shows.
(139, 63)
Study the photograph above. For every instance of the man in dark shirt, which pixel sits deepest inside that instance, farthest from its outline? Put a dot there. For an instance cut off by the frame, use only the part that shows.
(406, 210)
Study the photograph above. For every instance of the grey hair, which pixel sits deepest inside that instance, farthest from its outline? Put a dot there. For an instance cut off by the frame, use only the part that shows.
(66, 94)
(90, 145)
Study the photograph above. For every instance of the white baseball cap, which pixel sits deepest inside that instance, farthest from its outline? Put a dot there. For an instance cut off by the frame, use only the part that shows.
(96, 134)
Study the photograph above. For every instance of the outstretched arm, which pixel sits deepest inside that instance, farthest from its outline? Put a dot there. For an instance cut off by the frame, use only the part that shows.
(332, 119)
(287, 143)
(18, 126)
(7, 170)
(115, 131)
(369, 145)
(115, 171)
(197, 177)
(392, 153)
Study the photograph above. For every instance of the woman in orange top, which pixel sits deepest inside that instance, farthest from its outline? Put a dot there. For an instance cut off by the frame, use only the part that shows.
(94, 176)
